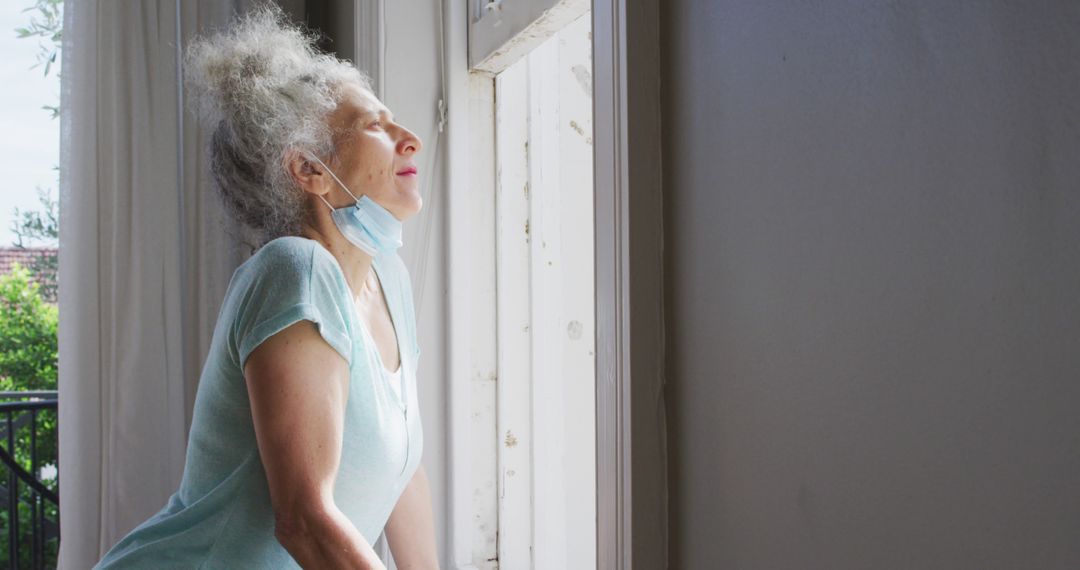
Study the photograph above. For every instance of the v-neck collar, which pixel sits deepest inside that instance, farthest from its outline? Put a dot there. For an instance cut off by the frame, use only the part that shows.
(392, 308)
(393, 319)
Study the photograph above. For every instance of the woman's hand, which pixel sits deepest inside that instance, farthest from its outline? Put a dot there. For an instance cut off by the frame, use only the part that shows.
(298, 385)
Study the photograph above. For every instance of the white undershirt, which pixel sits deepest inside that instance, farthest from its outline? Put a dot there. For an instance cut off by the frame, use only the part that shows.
(395, 381)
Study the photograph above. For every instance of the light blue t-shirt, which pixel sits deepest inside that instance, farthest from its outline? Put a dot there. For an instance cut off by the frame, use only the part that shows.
(221, 517)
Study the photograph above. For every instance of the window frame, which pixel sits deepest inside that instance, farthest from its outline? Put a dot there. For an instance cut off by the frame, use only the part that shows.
(632, 497)
(502, 31)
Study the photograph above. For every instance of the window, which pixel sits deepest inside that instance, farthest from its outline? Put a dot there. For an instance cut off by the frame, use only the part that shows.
(523, 440)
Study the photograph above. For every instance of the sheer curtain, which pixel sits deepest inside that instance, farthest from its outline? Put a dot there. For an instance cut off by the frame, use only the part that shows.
(145, 257)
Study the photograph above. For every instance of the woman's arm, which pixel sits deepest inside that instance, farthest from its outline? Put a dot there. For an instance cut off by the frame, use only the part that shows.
(411, 528)
(298, 385)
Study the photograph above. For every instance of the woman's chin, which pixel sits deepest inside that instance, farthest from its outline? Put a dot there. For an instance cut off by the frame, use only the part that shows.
(412, 204)
(406, 209)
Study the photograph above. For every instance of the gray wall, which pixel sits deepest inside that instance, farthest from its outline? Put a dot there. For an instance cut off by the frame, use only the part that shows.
(872, 215)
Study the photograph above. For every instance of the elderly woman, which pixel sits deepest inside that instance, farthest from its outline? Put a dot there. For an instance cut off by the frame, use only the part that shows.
(305, 442)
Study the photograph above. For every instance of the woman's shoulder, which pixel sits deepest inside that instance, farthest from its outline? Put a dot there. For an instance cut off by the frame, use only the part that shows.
(282, 267)
(287, 279)
(283, 252)
(288, 255)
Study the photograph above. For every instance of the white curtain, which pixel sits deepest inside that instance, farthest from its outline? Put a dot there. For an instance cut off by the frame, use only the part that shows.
(145, 257)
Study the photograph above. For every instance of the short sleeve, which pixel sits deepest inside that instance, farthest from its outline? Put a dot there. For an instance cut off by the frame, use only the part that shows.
(289, 280)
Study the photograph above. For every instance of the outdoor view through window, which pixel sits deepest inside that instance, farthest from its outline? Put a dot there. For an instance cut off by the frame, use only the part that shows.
(30, 33)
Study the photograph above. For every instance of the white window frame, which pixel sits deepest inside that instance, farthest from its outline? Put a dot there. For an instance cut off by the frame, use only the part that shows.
(631, 436)
(502, 31)
(472, 523)
(631, 427)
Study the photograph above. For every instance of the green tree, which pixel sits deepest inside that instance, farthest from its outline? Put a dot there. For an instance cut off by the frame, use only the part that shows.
(27, 334)
(28, 361)
(28, 325)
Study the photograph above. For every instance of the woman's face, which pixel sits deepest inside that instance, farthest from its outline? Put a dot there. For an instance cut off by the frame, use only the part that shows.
(375, 155)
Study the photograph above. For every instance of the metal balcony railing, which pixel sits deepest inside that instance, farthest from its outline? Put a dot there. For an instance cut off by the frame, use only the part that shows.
(29, 471)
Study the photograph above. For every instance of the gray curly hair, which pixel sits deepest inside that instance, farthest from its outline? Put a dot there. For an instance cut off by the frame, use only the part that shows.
(265, 89)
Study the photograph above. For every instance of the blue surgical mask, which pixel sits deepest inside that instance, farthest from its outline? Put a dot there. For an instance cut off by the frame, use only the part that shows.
(366, 224)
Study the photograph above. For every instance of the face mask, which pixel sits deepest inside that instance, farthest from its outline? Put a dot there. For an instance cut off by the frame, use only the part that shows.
(366, 224)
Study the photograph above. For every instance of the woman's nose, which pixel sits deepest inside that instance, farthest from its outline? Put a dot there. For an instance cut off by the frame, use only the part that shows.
(410, 143)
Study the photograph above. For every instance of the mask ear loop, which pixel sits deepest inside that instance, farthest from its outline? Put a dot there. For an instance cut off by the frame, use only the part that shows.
(338, 180)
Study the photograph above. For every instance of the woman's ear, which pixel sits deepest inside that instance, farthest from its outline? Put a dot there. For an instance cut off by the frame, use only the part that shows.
(306, 173)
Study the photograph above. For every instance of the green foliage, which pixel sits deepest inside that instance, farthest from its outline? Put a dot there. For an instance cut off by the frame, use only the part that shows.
(28, 326)
(27, 335)
(52, 547)
(28, 361)
(46, 449)
(48, 24)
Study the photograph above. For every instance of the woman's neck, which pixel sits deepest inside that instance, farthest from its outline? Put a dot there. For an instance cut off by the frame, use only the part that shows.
(355, 263)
